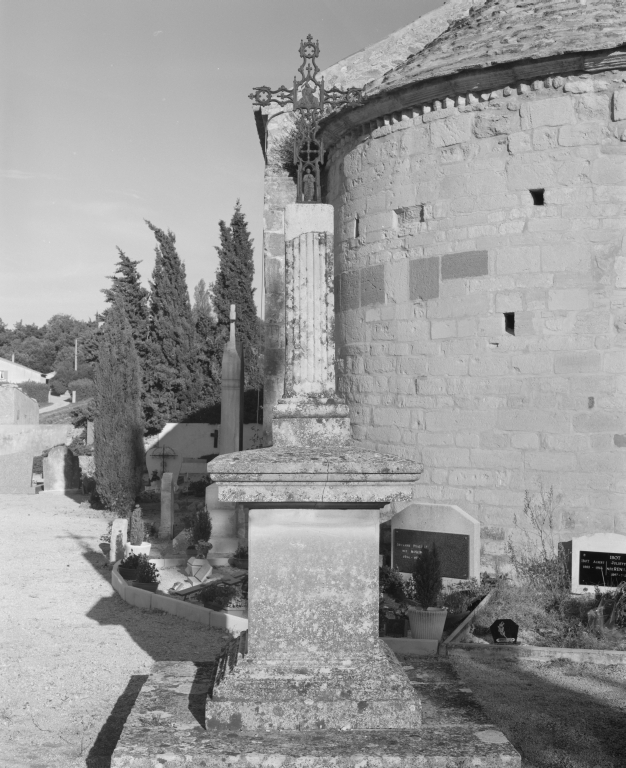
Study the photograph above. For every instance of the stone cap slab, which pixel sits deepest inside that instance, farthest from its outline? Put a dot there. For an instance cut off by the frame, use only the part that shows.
(339, 462)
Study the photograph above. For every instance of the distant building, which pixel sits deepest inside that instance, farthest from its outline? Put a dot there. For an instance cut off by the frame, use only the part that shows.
(14, 373)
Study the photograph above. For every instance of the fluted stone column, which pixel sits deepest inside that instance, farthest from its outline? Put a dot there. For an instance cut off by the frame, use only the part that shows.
(309, 310)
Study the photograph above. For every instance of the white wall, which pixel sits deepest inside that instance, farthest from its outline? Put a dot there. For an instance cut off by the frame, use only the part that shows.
(189, 442)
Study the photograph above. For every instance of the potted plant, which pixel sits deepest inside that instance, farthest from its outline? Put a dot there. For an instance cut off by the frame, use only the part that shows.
(127, 568)
(240, 558)
(426, 619)
(137, 534)
(147, 575)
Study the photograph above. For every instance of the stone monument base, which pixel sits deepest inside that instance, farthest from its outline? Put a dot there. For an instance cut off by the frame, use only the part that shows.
(343, 694)
(167, 727)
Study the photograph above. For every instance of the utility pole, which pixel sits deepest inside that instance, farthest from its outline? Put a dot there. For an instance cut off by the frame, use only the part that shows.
(75, 354)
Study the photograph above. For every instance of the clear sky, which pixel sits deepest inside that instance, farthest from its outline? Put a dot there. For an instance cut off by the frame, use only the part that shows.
(116, 111)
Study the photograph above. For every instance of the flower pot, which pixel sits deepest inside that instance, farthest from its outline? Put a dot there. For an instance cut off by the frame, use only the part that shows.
(239, 562)
(130, 574)
(150, 587)
(138, 549)
(427, 625)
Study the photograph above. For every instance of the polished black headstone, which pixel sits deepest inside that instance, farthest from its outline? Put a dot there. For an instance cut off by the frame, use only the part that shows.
(504, 631)
(603, 569)
(452, 548)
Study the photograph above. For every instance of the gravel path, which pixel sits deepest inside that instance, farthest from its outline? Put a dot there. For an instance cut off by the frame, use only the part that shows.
(73, 655)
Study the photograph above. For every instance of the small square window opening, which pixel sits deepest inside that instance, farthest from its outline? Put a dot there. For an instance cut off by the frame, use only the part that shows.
(509, 322)
(538, 196)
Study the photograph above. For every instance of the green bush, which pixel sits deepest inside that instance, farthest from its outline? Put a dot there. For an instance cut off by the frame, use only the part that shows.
(201, 526)
(218, 594)
(38, 392)
(391, 583)
(130, 561)
(147, 572)
(84, 388)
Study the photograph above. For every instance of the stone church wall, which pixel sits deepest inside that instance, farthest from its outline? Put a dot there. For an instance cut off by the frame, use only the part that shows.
(481, 298)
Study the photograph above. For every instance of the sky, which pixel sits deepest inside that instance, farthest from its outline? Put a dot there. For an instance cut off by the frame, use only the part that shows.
(114, 112)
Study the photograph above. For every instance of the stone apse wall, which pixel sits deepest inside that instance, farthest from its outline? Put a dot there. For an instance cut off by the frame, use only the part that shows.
(480, 263)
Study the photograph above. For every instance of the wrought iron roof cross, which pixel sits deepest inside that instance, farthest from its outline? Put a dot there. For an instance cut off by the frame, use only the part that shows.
(311, 101)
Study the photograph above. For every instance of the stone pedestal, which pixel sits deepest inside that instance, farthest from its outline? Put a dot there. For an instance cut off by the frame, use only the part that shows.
(223, 527)
(166, 527)
(316, 501)
(315, 660)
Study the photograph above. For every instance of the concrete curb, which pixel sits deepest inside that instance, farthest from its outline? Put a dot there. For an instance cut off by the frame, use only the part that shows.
(151, 601)
(535, 652)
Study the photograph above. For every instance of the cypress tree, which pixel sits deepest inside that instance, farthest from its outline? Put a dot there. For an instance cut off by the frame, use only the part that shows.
(233, 285)
(209, 349)
(118, 428)
(170, 369)
(126, 284)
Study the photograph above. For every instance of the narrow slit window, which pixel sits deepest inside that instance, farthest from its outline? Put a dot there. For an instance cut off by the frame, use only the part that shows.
(357, 227)
(509, 322)
(538, 196)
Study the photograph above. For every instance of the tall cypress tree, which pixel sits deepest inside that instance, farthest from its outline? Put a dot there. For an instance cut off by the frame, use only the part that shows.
(170, 368)
(118, 427)
(209, 350)
(233, 285)
(126, 284)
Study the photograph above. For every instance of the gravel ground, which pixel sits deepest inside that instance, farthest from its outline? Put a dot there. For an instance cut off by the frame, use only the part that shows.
(73, 655)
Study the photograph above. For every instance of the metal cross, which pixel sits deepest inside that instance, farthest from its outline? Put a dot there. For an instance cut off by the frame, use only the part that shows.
(163, 452)
(311, 101)
(215, 434)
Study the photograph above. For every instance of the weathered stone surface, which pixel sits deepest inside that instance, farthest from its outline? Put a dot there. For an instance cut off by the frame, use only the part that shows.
(16, 407)
(166, 527)
(167, 723)
(424, 279)
(468, 264)
(61, 470)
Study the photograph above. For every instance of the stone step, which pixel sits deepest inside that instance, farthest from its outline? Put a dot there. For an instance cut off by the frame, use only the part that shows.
(166, 728)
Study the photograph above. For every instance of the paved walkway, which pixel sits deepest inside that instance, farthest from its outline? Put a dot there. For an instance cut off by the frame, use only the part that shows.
(73, 655)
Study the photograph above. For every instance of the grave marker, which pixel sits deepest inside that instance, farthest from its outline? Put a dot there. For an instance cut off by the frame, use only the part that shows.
(61, 470)
(598, 560)
(455, 534)
(504, 631)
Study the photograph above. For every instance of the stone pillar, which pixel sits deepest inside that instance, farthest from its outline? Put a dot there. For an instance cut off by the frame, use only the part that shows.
(166, 528)
(223, 527)
(231, 393)
(61, 470)
(309, 310)
(119, 539)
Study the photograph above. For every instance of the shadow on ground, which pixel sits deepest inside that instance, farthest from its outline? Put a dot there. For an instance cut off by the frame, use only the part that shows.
(550, 725)
(100, 753)
(143, 628)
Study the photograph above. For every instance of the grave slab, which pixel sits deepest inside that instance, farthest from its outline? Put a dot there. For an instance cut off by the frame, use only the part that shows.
(167, 727)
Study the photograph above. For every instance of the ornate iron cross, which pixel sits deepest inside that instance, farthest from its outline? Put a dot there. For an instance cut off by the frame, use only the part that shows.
(311, 101)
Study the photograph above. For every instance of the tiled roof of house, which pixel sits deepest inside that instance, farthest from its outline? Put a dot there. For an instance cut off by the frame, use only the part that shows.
(503, 31)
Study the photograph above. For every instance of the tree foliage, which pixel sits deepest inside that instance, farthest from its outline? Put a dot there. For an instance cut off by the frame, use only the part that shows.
(126, 284)
(118, 428)
(171, 365)
(233, 285)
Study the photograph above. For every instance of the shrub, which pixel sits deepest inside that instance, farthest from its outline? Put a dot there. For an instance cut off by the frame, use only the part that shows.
(38, 392)
(147, 572)
(136, 527)
(391, 583)
(241, 552)
(426, 583)
(201, 526)
(130, 561)
(218, 594)
(84, 388)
